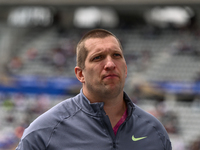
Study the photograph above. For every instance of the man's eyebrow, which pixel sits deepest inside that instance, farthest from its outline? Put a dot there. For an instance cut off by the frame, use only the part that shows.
(94, 54)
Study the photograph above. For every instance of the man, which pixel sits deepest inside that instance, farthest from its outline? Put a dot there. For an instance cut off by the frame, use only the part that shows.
(101, 116)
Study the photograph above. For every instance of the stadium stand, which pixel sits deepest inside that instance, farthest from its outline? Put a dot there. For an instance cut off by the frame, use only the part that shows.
(37, 72)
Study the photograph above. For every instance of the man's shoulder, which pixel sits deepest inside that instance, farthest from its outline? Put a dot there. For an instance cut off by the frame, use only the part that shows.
(51, 118)
(151, 120)
(147, 122)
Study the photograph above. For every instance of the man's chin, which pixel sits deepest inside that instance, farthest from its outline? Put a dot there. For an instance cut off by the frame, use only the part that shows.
(112, 88)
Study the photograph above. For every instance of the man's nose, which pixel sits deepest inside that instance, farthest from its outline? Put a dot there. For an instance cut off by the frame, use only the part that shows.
(109, 64)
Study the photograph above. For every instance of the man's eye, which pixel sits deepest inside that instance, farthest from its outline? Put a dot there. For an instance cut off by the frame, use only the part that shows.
(117, 55)
(97, 58)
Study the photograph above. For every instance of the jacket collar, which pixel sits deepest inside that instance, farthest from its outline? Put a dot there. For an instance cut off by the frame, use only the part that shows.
(97, 108)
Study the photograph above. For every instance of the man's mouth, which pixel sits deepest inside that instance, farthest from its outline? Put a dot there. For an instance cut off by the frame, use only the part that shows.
(110, 76)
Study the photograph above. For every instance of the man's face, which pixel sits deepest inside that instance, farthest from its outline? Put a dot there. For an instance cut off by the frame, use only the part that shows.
(105, 67)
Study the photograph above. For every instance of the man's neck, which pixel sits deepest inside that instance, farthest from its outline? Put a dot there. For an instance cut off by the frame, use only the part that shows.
(113, 106)
(115, 110)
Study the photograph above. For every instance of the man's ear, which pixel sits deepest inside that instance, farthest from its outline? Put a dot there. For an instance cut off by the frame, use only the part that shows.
(79, 74)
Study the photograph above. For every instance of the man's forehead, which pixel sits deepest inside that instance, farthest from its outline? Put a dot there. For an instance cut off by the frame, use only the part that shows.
(93, 42)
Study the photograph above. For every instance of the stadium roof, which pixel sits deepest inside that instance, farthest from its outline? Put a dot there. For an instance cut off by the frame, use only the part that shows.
(96, 2)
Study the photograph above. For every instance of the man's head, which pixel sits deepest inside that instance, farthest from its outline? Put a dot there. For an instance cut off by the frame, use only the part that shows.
(101, 66)
(81, 50)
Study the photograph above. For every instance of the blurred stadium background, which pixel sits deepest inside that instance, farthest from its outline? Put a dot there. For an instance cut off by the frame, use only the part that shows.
(161, 46)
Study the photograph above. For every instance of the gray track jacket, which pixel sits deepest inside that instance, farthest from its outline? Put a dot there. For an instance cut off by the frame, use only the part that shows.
(76, 124)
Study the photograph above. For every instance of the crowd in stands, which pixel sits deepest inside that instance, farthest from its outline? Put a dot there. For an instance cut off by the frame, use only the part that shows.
(195, 145)
(182, 47)
(59, 57)
(15, 65)
(17, 111)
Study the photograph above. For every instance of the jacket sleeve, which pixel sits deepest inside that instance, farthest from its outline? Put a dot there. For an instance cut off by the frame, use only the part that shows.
(166, 141)
(36, 140)
(168, 145)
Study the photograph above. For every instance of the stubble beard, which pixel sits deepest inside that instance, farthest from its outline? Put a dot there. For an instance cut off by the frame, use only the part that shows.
(106, 90)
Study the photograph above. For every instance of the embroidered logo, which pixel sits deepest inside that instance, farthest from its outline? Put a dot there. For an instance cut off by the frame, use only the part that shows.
(137, 139)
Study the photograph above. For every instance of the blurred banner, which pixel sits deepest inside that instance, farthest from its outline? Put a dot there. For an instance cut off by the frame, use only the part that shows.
(179, 87)
(41, 85)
